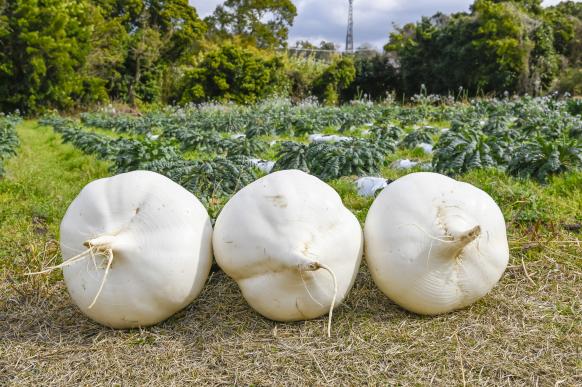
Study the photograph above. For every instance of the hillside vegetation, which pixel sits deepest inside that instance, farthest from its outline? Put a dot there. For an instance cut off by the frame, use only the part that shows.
(68, 55)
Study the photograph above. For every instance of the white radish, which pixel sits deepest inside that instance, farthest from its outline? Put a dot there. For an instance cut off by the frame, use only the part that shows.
(434, 244)
(290, 244)
(137, 248)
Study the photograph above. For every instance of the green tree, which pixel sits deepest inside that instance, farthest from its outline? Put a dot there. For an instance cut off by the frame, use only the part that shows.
(503, 41)
(176, 21)
(563, 28)
(231, 73)
(334, 80)
(501, 45)
(143, 77)
(160, 36)
(305, 45)
(105, 61)
(326, 51)
(264, 23)
(566, 22)
(329, 46)
(533, 6)
(126, 11)
(302, 71)
(44, 46)
(5, 34)
(543, 59)
(437, 52)
(178, 25)
(375, 76)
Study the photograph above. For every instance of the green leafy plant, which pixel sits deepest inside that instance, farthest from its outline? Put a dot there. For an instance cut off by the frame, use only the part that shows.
(292, 155)
(387, 136)
(336, 78)
(197, 139)
(418, 136)
(8, 139)
(541, 158)
(462, 150)
(207, 179)
(131, 155)
(91, 143)
(333, 160)
(232, 73)
(574, 106)
(244, 146)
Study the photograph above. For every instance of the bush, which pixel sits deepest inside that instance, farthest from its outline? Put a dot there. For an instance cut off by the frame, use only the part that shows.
(571, 82)
(231, 73)
(336, 78)
(375, 75)
(302, 72)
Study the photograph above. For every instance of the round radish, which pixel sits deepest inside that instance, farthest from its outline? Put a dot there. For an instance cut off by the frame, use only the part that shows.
(274, 237)
(434, 244)
(137, 249)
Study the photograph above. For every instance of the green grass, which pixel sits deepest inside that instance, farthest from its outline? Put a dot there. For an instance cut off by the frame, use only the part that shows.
(40, 183)
(525, 332)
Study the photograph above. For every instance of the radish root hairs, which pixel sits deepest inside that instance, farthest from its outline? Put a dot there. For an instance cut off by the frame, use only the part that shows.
(109, 261)
(427, 233)
(316, 266)
(68, 262)
(307, 289)
(120, 284)
(89, 252)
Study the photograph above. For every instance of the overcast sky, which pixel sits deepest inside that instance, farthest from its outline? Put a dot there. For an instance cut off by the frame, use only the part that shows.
(319, 20)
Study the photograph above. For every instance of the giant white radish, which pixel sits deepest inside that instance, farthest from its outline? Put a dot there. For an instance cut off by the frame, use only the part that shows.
(290, 244)
(137, 248)
(434, 244)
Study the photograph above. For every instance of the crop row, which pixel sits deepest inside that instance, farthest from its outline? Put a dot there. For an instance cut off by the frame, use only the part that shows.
(233, 166)
(527, 138)
(8, 138)
(278, 117)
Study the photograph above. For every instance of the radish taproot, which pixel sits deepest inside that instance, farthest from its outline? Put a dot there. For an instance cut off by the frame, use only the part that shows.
(434, 244)
(137, 248)
(290, 244)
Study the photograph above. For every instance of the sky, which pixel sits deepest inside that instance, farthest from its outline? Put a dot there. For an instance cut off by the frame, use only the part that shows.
(319, 20)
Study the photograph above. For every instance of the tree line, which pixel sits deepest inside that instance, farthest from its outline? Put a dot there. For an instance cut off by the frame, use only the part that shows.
(70, 54)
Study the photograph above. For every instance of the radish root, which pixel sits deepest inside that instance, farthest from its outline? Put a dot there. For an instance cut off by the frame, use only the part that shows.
(428, 234)
(99, 246)
(109, 261)
(68, 262)
(328, 269)
(307, 289)
(313, 266)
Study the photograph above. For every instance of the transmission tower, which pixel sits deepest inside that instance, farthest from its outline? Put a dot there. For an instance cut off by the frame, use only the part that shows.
(350, 34)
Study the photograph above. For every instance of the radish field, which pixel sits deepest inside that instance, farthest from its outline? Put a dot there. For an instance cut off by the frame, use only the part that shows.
(524, 152)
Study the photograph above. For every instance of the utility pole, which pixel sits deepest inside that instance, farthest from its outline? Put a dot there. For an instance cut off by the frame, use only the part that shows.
(350, 34)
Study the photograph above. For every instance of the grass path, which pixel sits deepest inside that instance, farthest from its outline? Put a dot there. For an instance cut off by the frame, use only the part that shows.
(525, 332)
(40, 183)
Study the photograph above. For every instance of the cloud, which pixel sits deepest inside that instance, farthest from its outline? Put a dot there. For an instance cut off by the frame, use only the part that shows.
(327, 19)
(373, 19)
(205, 7)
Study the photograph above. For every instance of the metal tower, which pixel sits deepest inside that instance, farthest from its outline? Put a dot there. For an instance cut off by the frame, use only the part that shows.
(350, 34)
